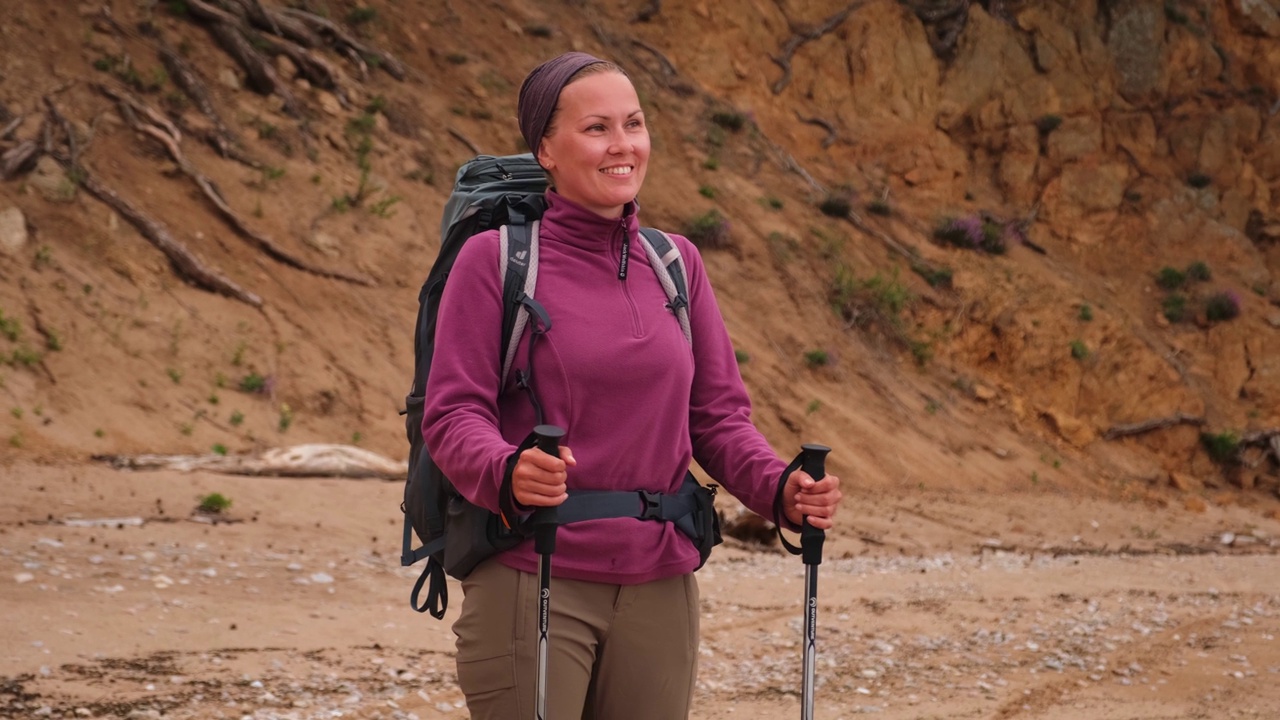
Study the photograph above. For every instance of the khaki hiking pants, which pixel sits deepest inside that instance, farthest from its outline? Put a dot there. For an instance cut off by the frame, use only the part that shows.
(616, 652)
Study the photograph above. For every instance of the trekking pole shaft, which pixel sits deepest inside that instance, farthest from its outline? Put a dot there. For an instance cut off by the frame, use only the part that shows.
(813, 462)
(544, 542)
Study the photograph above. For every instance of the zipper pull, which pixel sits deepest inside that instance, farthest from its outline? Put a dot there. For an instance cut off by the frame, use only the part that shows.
(626, 256)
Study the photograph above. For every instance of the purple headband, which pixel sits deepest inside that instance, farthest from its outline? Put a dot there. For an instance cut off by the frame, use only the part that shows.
(541, 91)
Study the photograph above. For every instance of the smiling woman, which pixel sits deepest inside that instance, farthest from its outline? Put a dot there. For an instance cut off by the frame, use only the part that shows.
(639, 401)
(596, 147)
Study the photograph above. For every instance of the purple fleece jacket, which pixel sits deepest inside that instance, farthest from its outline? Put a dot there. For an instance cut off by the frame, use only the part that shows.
(637, 401)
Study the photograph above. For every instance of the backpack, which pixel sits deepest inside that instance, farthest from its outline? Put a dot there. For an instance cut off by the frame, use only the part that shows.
(507, 193)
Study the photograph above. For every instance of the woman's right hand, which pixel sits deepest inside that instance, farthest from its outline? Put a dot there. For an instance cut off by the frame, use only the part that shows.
(540, 480)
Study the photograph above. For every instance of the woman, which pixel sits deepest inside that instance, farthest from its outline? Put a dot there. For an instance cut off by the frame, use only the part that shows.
(639, 402)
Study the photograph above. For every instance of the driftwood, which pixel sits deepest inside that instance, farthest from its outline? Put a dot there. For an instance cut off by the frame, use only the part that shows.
(314, 460)
(1138, 428)
(169, 137)
(783, 58)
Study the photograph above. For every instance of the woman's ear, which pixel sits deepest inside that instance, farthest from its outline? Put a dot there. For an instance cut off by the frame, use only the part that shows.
(544, 158)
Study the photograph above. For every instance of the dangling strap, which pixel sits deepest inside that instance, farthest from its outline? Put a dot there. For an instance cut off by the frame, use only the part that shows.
(778, 515)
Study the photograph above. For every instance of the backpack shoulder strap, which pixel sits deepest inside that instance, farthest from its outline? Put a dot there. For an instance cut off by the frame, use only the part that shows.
(518, 267)
(668, 263)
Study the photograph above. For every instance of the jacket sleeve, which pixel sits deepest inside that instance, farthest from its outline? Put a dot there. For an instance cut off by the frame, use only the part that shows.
(725, 441)
(460, 418)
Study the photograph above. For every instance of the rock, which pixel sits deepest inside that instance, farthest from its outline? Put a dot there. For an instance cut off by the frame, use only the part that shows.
(329, 103)
(1073, 430)
(13, 231)
(1260, 16)
(1094, 187)
(1136, 44)
(1185, 483)
(51, 181)
(229, 78)
(285, 67)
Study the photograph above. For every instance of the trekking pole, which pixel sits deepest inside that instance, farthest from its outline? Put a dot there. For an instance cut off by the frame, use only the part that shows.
(813, 462)
(545, 521)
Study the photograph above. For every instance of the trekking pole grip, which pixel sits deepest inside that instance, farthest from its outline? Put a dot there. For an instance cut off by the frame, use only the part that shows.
(545, 520)
(814, 463)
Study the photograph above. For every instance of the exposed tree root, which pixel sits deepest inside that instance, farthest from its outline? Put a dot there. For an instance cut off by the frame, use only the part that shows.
(649, 12)
(8, 129)
(185, 77)
(944, 22)
(1146, 426)
(19, 159)
(188, 266)
(464, 140)
(827, 141)
(348, 45)
(233, 34)
(169, 137)
(783, 58)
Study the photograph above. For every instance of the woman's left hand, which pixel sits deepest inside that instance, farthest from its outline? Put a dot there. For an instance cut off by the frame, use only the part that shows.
(803, 497)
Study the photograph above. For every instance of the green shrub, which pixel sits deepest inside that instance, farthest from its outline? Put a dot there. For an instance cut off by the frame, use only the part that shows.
(836, 206)
(709, 231)
(1222, 306)
(1086, 313)
(219, 449)
(253, 383)
(1170, 278)
(1223, 447)
(741, 356)
(707, 191)
(1199, 180)
(729, 120)
(935, 277)
(1079, 350)
(816, 358)
(1048, 123)
(1199, 272)
(1175, 308)
(237, 418)
(214, 504)
(879, 207)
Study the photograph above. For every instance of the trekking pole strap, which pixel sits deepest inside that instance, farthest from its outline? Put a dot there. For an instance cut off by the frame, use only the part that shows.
(780, 517)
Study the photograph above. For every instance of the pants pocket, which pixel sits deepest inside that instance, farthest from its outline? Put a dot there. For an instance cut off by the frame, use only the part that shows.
(487, 636)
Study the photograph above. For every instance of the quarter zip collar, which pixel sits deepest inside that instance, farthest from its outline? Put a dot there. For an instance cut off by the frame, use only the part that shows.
(567, 222)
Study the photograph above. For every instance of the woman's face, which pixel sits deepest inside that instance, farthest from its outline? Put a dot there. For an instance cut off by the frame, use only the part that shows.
(597, 150)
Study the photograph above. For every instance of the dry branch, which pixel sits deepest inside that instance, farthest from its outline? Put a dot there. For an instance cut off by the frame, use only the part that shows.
(1138, 428)
(130, 106)
(783, 59)
(7, 130)
(317, 71)
(18, 159)
(348, 44)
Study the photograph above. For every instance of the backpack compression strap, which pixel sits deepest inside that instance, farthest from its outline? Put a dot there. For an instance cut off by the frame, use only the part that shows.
(668, 264)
